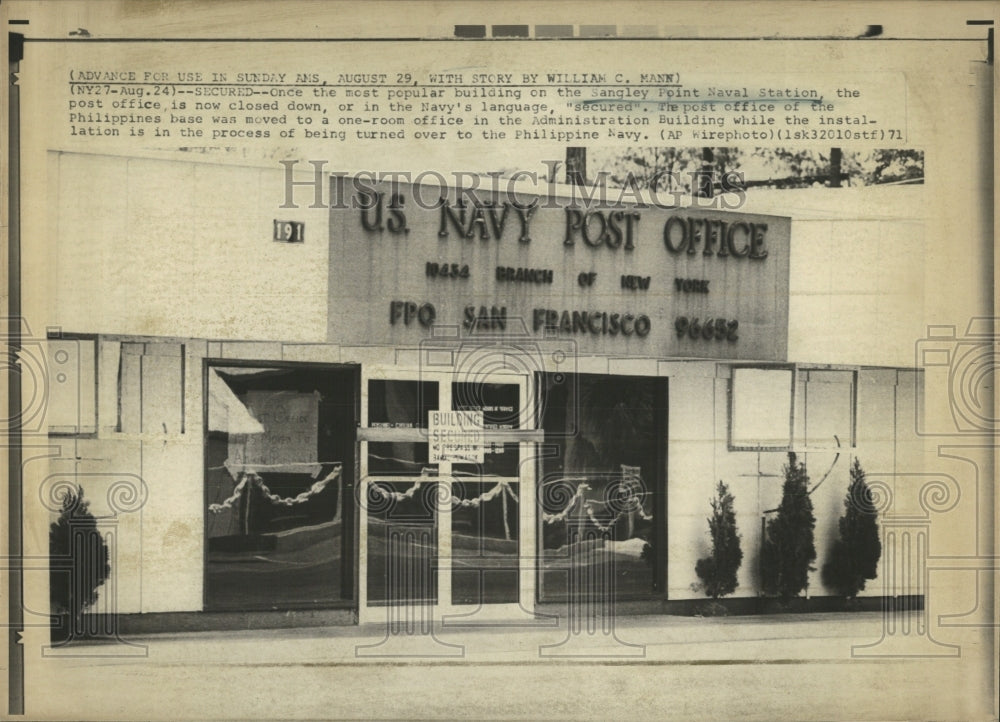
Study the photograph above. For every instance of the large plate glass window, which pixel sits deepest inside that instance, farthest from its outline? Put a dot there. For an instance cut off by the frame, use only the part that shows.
(279, 461)
(602, 485)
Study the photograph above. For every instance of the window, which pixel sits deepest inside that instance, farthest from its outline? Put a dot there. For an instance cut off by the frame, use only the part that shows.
(761, 408)
(484, 519)
(402, 515)
(828, 408)
(601, 487)
(501, 410)
(766, 404)
(399, 405)
(279, 462)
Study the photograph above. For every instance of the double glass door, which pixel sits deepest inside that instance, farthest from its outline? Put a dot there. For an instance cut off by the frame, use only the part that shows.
(447, 482)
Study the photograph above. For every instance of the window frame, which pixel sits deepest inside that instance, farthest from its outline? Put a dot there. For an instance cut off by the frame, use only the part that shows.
(349, 572)
(852, 441)
(797, 442)
(730, 407)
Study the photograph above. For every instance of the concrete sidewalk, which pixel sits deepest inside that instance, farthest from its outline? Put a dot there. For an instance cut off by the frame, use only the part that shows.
(648, 667)
(650, 637)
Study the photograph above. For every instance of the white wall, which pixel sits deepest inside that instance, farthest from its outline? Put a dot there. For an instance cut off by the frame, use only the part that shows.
(699, 456)
(184, 249)
(857, 289)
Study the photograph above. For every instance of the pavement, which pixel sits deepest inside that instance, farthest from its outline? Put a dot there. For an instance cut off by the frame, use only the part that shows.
(793, 666)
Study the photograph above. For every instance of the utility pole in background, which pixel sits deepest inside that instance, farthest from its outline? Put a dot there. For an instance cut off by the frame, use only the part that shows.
(702, 188)
(836, 160)
(576, 166)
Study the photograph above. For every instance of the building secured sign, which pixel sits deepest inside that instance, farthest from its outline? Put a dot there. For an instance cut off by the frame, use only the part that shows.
(456, 436)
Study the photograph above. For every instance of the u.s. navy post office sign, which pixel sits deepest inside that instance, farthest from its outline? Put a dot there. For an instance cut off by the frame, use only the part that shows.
(634, 279)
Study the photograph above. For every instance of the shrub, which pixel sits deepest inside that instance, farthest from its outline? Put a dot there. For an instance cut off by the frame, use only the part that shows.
(718, 570)
(788, 550)
(855, 554)
(78, 557)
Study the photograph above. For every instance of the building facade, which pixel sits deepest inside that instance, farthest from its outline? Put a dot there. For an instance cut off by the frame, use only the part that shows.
(299, 392)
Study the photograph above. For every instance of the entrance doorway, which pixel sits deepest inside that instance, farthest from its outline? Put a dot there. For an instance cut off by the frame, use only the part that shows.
(441, 529)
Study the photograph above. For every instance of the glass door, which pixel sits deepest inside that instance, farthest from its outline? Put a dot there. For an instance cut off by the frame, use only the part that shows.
(445, 520)
(400, 526)
(486, 499)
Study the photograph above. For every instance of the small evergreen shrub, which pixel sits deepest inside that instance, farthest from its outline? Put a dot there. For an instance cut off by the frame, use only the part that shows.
(78, 558)
(718, 570)
(788, 550)
(855, 554)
